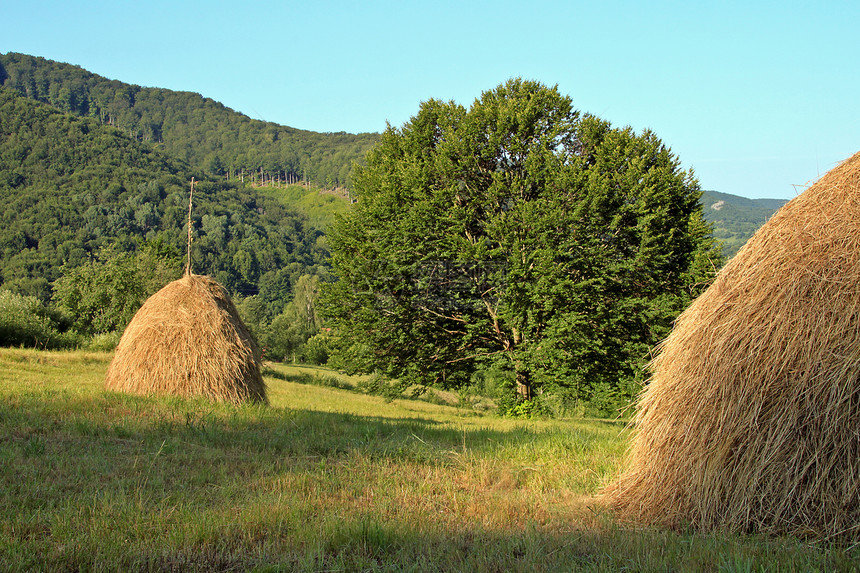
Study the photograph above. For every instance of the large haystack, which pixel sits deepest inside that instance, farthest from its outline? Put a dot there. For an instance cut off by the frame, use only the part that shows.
(188, 340)
(751, 421)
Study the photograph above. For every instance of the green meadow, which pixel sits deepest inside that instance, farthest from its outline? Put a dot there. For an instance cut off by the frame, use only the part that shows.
(325, 478)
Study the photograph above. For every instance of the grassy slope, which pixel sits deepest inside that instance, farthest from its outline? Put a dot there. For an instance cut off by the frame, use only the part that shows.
(325, 479)
(321, 209)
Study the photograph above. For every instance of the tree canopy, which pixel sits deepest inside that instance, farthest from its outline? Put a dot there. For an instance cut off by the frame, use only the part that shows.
(518, 231)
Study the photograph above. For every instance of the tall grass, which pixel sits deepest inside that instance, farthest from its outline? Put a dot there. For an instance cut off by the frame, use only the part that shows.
(324, 479)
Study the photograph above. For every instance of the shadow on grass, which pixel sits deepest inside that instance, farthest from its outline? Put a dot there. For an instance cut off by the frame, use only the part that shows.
(325, 378)
(620, 423)
(161, 484)
(254, 430)
(366, 385)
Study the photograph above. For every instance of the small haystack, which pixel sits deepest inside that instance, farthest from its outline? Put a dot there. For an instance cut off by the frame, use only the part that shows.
(188, 340)
(751, 422)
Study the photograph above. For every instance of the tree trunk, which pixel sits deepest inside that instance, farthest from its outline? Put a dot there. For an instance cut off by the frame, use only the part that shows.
(524, 385)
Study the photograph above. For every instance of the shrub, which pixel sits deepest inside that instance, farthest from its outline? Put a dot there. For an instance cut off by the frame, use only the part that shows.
(316, 349)
(105, 342)
(104, 293)
(26, 321)
(378, 385)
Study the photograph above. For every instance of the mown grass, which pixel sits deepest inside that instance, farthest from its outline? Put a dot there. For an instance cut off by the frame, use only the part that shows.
(324, 479)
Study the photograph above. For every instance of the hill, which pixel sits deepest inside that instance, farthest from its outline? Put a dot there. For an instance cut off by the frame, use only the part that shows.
(71, 185)
(318, 205)
(188, 126)
(736, 218)
(223, 143)
(183, 132)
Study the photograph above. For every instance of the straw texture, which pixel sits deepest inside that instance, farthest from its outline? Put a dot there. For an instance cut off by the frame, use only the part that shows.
(751, 420)
(188, 340)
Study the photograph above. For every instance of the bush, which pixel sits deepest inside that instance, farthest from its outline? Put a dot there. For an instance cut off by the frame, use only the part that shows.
(316, 349)
(106, 342)
(104, 293)
(526, 409)
(563, 403)
(378, 385)
(606, 401)
(26, 321)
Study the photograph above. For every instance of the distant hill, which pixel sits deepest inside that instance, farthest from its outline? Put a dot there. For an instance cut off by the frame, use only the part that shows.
(71, 185)
(735, 218)
(188, 126)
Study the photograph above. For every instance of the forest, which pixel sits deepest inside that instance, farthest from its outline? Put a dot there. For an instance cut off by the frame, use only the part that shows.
(188, 126)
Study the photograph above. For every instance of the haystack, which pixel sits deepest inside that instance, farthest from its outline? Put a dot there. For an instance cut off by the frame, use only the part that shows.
(188, 340)
(751, 421)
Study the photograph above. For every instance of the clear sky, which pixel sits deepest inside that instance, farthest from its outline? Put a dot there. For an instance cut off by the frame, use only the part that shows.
(759, 98)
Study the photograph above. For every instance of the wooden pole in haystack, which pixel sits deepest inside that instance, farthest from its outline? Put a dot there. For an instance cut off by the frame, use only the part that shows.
(188, 340)
(188, 262)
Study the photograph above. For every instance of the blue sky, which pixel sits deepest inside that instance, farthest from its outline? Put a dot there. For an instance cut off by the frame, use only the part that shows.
(759, 98)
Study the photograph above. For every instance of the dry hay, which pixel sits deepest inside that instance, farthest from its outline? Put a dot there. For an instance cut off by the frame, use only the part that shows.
(751, 421)
(188, 340)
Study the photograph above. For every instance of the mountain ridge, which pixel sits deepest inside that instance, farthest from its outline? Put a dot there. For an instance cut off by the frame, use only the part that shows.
(190, 126)
(71, 186)
(735, 218)
(207, 136)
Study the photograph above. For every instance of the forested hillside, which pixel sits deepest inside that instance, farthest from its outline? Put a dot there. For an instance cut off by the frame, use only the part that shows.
(188, 126)
(221, 142)
(735, 218)
(70, 186)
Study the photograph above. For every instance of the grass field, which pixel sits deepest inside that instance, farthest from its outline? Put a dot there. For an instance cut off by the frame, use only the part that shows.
(324, 479)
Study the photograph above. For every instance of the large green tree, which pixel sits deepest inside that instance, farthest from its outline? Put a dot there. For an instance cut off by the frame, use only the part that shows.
(521, 231)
